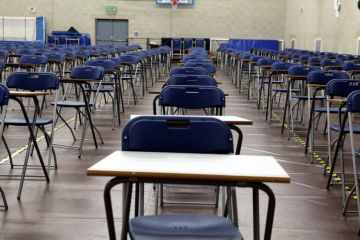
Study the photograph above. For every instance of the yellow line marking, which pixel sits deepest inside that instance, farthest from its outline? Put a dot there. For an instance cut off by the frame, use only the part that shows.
(22, 149)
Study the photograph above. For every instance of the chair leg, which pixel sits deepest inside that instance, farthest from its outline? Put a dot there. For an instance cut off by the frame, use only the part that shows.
(4, 198)
(354, 161)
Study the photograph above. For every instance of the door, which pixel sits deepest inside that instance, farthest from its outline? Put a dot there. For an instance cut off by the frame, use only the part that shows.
(112, 32)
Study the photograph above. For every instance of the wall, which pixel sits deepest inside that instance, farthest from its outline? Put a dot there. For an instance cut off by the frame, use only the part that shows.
(317, 20)
(207, 18)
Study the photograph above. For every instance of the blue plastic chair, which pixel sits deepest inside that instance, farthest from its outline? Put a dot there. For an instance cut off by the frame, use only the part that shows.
(36, 62)
(81, 76)
(297, 75)
(200, 42)
(56, 60)
(109, 85)
(331, 64)
(185, 79)
(175, 134)
(187, 44)
(4, 99)
(176, 46)
(189, 71)
(130, 64)
(318, 78)
(209, 66)
(29, 81)
(190, 97)
(352, 68)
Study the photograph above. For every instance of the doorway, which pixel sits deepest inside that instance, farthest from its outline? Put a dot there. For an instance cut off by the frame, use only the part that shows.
(112, 32)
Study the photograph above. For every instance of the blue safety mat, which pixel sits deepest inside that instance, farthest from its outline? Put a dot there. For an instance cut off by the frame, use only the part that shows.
(248, 44)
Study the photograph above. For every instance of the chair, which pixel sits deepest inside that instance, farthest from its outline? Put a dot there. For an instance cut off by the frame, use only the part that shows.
(296, 75)
(4, 99)
(207, 65)
(179, 134)
(190, 97)
(332, 64)
(342, 89)
(185, 79)
(130, 65)
(34, 82)
(80, 76)
(35, 62)
(200, 42)
(109, 85)
(187, 44)
(189, 71)
(176, 47)
(317, 81)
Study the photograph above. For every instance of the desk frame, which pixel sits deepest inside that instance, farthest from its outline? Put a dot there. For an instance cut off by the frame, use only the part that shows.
(129, 181)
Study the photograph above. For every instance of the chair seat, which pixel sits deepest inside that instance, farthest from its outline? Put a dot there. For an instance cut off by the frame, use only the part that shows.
(306, 97)
(336, 128)
(187, 227)
(22, 122)
(332, 109)
(71, 104)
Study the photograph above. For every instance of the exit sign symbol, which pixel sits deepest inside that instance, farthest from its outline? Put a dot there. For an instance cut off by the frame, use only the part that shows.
(111, 10)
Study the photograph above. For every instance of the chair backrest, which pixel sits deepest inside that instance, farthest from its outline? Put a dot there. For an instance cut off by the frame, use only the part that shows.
(32, 81)
(2, 65)
(314, 61)
(4, 54)
(55, 56)
(265, 61)
(4, 95)
(341, 87)
(353, 101)
(33, 59)
(282, 65)
(176, 44)
(25, 51)
(323, 77)
(350, 66)
(107, 64)
(331, 62)
(189, 71)
(192, 97)
(299, 70)
(129, 58)
(209, 66)
(200, 42)
(88, 72)
(186, 79)
(177, 134)
(188, 43)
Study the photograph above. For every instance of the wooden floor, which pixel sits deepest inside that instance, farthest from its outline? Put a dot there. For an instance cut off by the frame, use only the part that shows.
(71, 205)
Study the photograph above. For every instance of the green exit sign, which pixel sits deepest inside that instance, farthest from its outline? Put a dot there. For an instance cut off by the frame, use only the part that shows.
(111, 10)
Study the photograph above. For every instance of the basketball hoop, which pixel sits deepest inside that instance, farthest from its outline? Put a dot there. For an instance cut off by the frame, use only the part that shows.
(174, 2)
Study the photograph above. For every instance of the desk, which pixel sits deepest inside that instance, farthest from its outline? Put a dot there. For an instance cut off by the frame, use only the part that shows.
(234, 120)
(204, 169)
(86, 104)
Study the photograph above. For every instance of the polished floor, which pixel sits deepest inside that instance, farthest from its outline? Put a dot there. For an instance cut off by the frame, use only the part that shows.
(71, 205)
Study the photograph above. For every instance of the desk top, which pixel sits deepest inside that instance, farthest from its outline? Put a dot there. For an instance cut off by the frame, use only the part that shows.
(27, 94)
(189, 166)
(226, 119)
